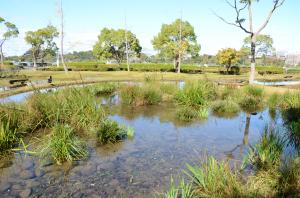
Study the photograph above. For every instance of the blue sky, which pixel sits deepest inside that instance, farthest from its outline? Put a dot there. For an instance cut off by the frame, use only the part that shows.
(85, 18)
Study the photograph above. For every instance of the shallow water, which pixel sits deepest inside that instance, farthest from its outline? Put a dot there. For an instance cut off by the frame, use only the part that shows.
(277, 83)
(161, 147)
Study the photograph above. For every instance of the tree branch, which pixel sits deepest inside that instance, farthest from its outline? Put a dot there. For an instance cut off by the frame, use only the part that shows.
(277, 4)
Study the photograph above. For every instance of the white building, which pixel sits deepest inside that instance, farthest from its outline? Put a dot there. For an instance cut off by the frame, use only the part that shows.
(292, 59)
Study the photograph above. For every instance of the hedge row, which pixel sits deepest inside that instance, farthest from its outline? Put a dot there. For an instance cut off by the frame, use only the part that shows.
(149, 67)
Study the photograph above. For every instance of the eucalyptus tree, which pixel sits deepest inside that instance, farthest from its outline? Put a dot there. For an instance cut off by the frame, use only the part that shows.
(61, 14)
(10, 31)
(239, 6)
(115, 44)
(176, 40)
(42, 43)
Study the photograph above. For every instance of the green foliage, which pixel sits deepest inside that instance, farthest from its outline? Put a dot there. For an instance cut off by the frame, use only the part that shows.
(63, 145)
(110, 132)
(228, 57)
(8, 136)
(274, 101)
(267, 152)
(75, 107)
(264, 44)
(103, 89)
(186, 113)
(111, 44)
(225, 107)
(183, 190)
(167, 42)
(291, 101)
(215, 179)
(151, 95)
(130, 132)
(253, 98)
(41, 42)
(130, 94)
(196, 94)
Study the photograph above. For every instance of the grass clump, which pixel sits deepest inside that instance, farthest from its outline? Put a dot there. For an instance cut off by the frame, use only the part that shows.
(130, 94)
(130, 132)
(104, 89)
(63, 145)
(183, 190)
(8, 136)
(291, 101)
(267, 152)
(151, 95)
(195, 94)
(225, 107)
(186, 113)
(215, 179)
(253, 98)
(274, 101)
(110, 132)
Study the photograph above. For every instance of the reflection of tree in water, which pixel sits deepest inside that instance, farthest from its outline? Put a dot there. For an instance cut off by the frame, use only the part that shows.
(245, 141)
(291, 118)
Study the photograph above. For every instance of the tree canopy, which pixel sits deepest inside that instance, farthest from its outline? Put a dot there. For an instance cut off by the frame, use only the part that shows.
(264, 45)
(228, 57)
(111, 44)
(42, 43)
(176, 39)
(10, 32)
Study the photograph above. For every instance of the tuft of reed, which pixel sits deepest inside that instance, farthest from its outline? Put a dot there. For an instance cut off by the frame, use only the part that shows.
(130, 132)
(253, 98)
(8, 136)
(183, 190)
(196, 94)
(103, 89)
(267, 152)
(63, 145)
(224, 107)
(110, 132)
(215, 179)
(291, 101)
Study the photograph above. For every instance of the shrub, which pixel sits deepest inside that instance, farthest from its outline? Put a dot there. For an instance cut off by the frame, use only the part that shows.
(110, 132)
(63, 145)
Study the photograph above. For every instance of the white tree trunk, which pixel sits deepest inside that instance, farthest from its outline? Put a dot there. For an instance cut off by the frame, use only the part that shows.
(2, 58)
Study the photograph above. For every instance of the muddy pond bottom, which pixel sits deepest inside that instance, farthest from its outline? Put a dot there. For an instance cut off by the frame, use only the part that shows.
(140, 167)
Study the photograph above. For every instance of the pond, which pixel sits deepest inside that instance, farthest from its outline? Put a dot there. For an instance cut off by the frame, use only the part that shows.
(139, 167)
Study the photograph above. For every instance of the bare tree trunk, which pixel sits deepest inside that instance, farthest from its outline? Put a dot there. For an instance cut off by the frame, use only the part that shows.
(177, 64)
(253, 59)
(62, 38)
(2, 58)
(34, 62)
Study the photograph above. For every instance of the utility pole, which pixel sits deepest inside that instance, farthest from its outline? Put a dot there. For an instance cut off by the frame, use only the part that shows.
(61, 13)
(126, 44)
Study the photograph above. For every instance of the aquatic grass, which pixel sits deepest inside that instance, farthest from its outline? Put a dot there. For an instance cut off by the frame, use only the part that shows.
(253, 98)
(224, 107)
(8, 136)
(231, 93)
(196, 94)
(274, 101)
(203, 113)
(110, 132)
(291, 101)
(183, 190)
(63, 145)
(130, 94)
(103, 89)
(130, 132)
(75, 107)
(186, 113)
(168, 88)
(215, 179)
(267, 152)
(151, 95)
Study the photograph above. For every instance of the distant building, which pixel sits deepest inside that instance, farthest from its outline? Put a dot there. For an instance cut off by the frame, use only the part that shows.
(292, 59)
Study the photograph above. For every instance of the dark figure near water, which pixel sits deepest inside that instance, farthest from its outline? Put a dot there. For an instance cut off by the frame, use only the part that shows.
(50, 79)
